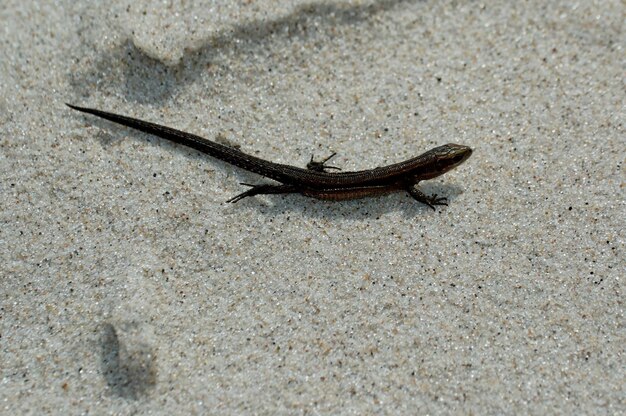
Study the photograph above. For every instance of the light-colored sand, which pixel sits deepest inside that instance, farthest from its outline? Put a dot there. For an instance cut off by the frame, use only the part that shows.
(129, 286)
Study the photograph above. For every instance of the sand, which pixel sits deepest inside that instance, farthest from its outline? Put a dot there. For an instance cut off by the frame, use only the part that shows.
(129, 286)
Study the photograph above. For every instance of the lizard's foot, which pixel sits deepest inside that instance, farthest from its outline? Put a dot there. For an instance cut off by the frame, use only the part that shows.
(431, 201)
(321, 165)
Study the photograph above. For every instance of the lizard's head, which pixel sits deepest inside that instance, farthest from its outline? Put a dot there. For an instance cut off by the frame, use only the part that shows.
(445, 158)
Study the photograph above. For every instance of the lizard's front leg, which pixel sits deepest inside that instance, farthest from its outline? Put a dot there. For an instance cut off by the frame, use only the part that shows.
(420, 196)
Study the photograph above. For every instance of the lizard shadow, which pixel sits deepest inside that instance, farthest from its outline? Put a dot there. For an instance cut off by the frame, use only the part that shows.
(365, 208)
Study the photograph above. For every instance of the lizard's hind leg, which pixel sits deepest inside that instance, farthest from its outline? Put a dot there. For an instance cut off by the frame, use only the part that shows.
(263, 190)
